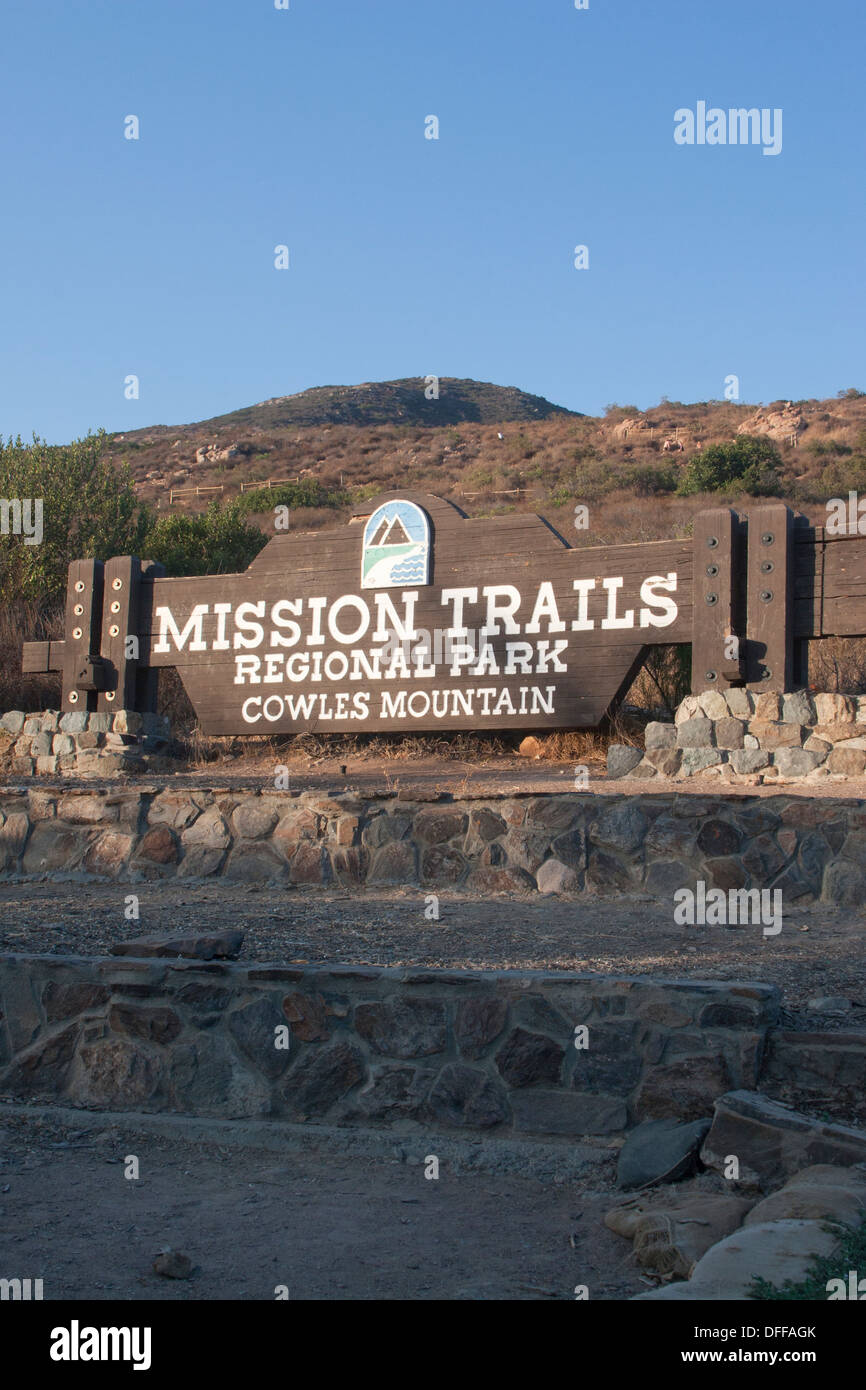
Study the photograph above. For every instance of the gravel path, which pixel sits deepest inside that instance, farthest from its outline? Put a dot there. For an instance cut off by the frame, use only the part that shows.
(820, 951)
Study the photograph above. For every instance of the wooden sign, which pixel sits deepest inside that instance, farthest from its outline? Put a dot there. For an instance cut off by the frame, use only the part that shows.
(412, 616)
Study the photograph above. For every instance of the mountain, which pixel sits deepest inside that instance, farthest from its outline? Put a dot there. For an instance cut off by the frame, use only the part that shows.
(392, 403)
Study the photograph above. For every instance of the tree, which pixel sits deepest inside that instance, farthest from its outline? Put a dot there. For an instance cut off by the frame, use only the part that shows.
(750, 463)
(88, 508)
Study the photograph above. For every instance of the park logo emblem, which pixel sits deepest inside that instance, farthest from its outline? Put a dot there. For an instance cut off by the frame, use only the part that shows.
(396, 547)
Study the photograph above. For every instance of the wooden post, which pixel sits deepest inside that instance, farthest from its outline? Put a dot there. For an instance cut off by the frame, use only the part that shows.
(119, 623)
(83, 613)
(770, 599)
(716, 610)
(147, 677)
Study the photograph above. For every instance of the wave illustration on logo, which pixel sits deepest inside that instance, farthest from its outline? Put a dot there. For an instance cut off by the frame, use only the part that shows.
(396, 549)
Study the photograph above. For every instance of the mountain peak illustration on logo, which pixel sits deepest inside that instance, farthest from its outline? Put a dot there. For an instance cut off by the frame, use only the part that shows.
(396, 547)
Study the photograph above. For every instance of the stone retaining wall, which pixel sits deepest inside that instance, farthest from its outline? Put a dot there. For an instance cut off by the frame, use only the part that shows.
(82, 744)
(486, 1052)
(742, 737)
(568, 843)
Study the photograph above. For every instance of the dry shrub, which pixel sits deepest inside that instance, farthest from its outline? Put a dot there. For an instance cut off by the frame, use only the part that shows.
(837, 665)
(663, 680)
(27, 621)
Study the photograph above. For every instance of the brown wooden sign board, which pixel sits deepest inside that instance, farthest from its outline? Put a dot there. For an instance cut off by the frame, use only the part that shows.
(414, 617)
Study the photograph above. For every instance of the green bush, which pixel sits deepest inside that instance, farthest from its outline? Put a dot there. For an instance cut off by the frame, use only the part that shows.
(89, 510)
(308, 493)
(218, 541)
(750, 463)
(838, 479)
(645, 480)
(829, 448)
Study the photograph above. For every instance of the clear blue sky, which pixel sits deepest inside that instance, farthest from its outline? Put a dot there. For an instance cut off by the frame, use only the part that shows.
(412, 256)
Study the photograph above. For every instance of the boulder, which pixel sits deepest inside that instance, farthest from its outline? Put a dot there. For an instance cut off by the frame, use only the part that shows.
(660, 1151)
(772, 1141)
(213, 945)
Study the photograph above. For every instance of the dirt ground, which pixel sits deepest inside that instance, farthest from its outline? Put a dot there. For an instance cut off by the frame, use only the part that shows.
(338, 1226)
(328, 1226)
(494, 775)
(819, 951)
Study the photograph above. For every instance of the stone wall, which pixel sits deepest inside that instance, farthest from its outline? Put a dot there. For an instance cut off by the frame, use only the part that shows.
(738, 736)
(81, 744)
(569, 843)
(484, 1052)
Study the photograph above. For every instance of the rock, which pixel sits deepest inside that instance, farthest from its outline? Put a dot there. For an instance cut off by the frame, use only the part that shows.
(109, 853)
(665, 761)
(393, 863)
(67, 1000)
(384, 830)
(696, 732)
(562, 1112)
(683, 1090)
(773, 735)
(730, 733)
(321, 1078)
(774, 1250)
(213, 945)
(850, 762)
(829, 1004)
(252, 861)
(527, 1059)
(209, 831)
(436, 827)
(718, 837)
(394, 1091)
(254, 1028)
(697, 760)
(741, 703)
(403, 1028)
(748, 760)
(835, 709)
(12, 722)
(478, 1023)
(621, 760)
(484, 825)
(772, 1141)
(620, 827)
(158, 1024)
(530, 748)
(796, 762)
(499, 880)
(253, 820)
(660, 736)
(844, 1205)
(712, 703)
(172, 1264)
(442, 864)
(468, 1097)
(686, 709)
(797, 708)
(158, 845)
(555, 877)
(660, 1151)
(843, 883)
(115, 1074)
(768, 706)
(54, 846)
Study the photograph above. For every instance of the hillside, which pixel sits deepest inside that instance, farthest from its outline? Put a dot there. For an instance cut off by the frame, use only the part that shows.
(493, 449)
(392, 403)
